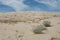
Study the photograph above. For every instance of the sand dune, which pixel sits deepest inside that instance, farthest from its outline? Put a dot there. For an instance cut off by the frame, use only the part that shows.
(18, 25)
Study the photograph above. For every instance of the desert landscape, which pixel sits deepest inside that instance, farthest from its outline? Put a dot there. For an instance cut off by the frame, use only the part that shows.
(30, 26)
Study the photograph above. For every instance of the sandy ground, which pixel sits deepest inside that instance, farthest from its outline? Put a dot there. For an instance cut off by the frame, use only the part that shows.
(23, 30)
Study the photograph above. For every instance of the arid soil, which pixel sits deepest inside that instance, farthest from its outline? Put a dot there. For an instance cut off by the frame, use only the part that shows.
(18, 26)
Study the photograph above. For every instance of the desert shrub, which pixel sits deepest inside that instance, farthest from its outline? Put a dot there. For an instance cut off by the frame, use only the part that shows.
(47, 23)
(38, 29)
(54, 15)
(55, 38)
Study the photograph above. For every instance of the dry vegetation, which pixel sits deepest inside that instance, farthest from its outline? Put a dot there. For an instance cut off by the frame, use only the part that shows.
(24, 17)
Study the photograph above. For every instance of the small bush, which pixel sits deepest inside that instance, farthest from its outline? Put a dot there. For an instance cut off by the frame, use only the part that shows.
(55, 38)
(47, 23)
(39, 29)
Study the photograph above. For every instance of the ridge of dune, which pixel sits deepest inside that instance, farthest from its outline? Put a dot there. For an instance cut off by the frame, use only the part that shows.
(25, 16)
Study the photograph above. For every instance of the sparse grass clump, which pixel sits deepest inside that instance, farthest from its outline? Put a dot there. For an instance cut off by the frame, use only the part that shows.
(47, 23)
(38, 29)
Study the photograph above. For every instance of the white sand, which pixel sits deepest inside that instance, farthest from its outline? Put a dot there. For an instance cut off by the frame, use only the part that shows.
(22, 30)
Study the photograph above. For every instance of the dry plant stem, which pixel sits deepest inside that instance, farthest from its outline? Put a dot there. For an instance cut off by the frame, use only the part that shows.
(19, 37)
(16, 34)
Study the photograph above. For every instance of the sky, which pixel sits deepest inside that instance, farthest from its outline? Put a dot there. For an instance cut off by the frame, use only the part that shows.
(29, 5)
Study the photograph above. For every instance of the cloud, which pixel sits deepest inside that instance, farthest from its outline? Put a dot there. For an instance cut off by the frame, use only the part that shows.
(33, 5)
(16, 4)
(51, 3)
